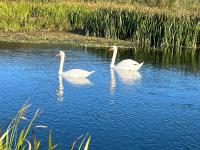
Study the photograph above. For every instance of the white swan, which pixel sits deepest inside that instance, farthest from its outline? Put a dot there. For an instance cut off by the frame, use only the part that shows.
(73, 73)
(127, 64)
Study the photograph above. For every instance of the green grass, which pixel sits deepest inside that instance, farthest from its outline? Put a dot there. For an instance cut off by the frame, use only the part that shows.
(14, 138)
(150, 3)
(153, 26)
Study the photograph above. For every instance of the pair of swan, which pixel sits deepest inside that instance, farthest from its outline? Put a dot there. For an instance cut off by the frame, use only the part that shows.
(127, 77)
(126, 65)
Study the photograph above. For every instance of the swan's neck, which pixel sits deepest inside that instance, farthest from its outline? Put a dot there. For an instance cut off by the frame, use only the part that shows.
(113, 59)
(61, 65)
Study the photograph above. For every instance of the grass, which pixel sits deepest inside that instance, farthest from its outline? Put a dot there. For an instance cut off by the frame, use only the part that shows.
(130, 21)
(66, 38)
(13, 138)
(150, 3)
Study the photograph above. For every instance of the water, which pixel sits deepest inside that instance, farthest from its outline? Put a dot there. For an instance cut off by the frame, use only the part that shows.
(155, 108)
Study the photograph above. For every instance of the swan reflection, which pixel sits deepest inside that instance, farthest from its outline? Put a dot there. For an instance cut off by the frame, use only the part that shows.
(129, 77)
(78, 81)
(112, 81)
(60, 89)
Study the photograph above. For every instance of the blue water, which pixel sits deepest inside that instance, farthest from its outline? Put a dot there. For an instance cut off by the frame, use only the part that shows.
(153, 109)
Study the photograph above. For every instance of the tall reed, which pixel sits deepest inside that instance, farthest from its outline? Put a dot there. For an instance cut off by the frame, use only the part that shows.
(153, 26)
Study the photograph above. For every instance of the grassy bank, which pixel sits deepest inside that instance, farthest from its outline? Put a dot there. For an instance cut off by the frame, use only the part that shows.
(66, 38)
(153, 26)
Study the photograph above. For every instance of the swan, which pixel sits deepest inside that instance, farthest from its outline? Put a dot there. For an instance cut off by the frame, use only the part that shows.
(73, 73)
(127, 64)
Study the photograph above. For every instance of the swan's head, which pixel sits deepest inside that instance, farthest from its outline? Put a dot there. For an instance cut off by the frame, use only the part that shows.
(113, 48)
(61, 54)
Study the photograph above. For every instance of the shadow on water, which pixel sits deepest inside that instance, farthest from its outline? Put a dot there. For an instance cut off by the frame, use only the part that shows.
(186, 60)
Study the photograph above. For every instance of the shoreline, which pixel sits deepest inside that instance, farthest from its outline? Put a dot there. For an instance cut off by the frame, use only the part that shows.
(70, 39)
(63, 38)
(149, 26)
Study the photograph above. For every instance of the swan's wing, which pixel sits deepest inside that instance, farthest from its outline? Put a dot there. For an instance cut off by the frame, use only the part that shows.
(77, 73)
(128, 62)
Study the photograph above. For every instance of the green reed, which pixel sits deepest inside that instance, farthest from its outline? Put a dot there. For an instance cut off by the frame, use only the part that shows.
(156, 29)
(151, 3)
(152, 26)
(20, 139)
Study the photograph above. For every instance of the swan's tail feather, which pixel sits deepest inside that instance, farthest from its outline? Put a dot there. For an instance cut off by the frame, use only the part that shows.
(142, 63)
(92, 72)
(136, 68)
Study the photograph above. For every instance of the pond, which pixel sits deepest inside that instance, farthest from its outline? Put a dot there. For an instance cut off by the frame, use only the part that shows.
(155, 108)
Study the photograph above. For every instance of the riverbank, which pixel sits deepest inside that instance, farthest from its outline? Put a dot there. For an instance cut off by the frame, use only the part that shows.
(138, 23)
(67, 38)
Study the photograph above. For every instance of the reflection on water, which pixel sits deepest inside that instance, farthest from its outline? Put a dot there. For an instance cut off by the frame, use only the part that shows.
(142, 110)
(129, 77)
(185, 60)
(60, 91)
(112, 81)
(78, 81)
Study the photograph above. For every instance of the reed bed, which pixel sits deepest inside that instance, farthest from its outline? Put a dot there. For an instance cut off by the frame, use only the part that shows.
(146, 25)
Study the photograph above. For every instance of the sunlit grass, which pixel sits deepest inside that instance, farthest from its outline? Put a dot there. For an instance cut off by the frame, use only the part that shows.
(14, 139)
(155, 26)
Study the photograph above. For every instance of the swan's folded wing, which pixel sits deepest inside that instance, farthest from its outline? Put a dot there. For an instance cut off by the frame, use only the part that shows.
(127, 64)
(76, 73)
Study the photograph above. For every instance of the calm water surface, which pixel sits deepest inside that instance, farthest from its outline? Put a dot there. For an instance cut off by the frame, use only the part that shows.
(153, 109)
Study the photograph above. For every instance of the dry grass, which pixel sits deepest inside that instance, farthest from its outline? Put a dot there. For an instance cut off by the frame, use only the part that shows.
(67, 38)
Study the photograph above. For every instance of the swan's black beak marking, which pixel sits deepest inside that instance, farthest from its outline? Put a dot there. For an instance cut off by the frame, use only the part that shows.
(58, 54)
